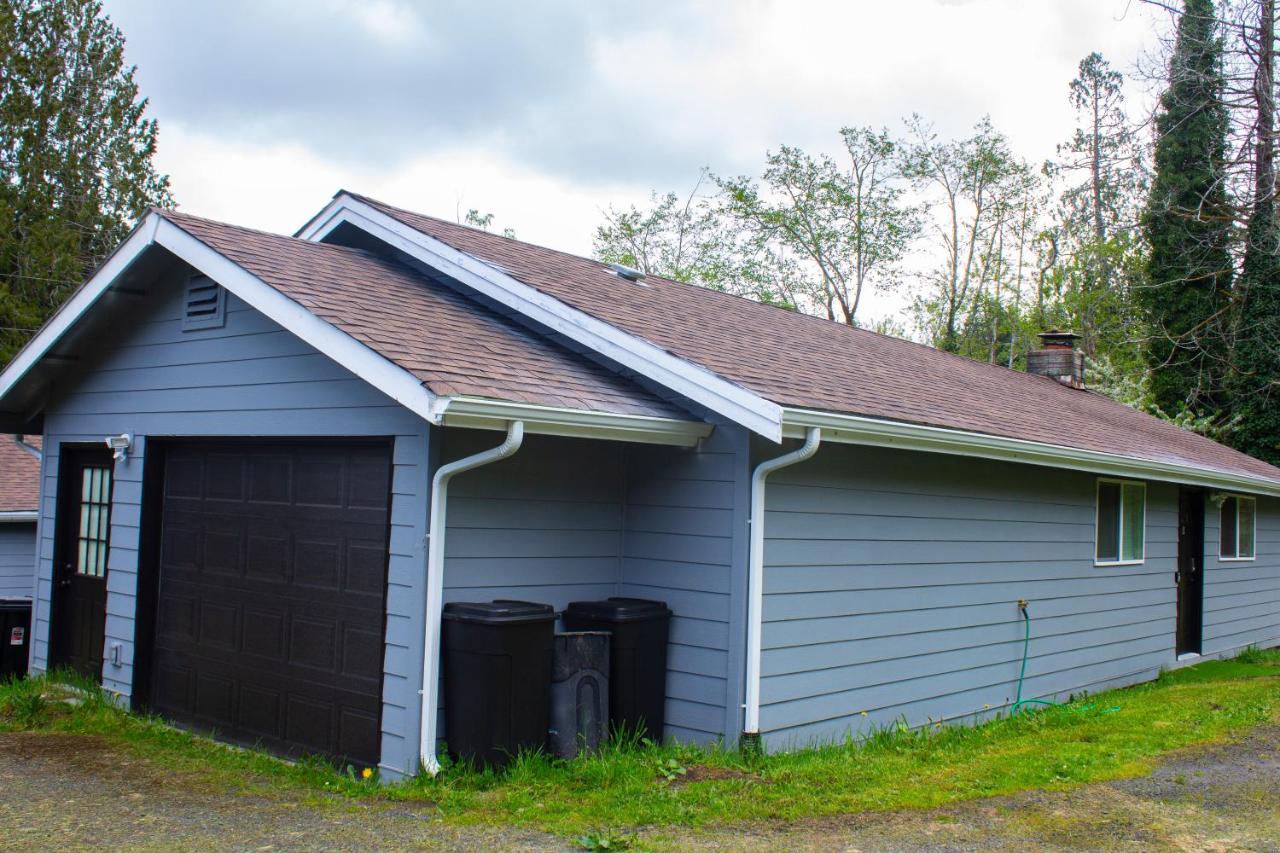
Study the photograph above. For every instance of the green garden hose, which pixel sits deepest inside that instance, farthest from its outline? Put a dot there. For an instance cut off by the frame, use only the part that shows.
(1022, 674)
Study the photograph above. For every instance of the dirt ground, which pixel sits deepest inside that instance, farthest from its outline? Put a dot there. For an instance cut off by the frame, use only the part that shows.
(66, 793)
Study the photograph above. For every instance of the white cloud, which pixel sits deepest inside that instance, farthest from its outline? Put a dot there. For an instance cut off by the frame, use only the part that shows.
(544, 116)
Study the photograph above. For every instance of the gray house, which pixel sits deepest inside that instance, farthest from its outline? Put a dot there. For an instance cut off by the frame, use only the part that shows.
(19, 509)
(270, 460)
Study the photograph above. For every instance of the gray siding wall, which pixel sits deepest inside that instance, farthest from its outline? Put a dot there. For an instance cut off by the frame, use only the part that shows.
(1242, 598)
(685, 543)
(544, 525)
(17, 559)
(250, 378)
(892, 579)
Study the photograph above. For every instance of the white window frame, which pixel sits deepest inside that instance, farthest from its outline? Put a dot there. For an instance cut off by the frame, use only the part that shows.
(1238, 559)
(1097, 522)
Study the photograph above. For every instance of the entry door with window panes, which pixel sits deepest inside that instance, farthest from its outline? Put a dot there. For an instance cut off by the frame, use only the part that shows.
(83, 530)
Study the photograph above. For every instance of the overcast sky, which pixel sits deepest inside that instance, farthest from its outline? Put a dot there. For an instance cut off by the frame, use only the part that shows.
(546, 112)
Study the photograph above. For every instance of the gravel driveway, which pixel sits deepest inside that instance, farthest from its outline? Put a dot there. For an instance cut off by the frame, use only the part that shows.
(68, 792)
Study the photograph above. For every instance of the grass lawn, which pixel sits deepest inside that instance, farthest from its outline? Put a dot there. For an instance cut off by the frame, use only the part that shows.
(1111, 735)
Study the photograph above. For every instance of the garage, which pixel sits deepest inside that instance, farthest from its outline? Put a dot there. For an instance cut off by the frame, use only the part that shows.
(269, 610)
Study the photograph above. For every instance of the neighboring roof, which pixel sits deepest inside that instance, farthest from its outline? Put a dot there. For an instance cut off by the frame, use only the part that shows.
(19, 477)
(804, 362)
(454, 346)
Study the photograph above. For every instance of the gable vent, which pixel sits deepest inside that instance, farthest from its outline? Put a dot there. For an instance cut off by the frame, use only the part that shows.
(205, 306)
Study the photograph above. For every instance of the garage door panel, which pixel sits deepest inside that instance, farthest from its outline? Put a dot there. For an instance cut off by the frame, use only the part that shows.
(273, 593)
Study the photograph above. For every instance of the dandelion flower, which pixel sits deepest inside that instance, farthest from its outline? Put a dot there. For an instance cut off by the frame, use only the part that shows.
(366, 773)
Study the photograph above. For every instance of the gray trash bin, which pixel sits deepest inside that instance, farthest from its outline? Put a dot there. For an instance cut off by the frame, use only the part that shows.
(579, 693)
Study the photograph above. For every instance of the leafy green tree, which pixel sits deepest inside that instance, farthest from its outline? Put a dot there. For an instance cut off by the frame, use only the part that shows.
(842, 226)
(979, 194)
(676, 237)
(1188, 225)
(1255, 378)
(75, 155)
(691, 238)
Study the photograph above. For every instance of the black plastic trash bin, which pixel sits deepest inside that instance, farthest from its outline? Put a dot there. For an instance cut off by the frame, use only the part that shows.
(579, 693)
(15, 637)
(497, 679)
(637, 658)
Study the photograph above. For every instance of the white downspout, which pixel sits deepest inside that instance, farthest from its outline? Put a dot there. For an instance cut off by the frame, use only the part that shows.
(755, 575)
(435, 585)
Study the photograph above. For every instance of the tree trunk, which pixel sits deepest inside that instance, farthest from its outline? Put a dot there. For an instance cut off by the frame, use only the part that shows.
(1265, 176)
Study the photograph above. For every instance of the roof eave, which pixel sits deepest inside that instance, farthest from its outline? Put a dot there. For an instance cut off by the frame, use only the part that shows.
(483, 413)
(858, 429)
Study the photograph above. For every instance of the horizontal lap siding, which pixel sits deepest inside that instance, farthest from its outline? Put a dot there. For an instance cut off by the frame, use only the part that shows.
(891, 584)
(249, 378)
(17, 559)
(1242, 599)
(685, 544)
(544, 525)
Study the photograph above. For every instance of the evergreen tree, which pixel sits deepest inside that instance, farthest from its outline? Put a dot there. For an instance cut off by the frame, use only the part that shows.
(1188, 225)
(75, 155)
(1255, 381)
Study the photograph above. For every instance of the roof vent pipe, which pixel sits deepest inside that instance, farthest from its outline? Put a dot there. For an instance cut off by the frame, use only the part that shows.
(755, 578)
(1058, 358)
(428, 716)
(624, 271)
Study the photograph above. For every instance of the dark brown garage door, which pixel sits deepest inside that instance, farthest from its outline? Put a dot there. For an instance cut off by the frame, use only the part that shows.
(272, 586)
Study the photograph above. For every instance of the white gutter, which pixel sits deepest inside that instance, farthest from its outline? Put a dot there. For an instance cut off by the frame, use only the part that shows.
(435, 585)
(481, 413)
(16, 516)
(856, 429)
(755, 573)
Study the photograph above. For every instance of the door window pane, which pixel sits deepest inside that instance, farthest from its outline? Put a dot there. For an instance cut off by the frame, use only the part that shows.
(95, 524)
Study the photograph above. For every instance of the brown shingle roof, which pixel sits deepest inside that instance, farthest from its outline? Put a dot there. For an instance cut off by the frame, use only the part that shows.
(807, 362)
(19, 476)
(453, 345)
